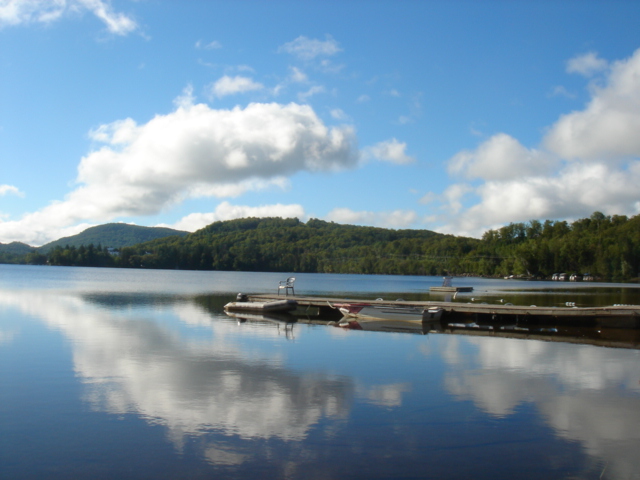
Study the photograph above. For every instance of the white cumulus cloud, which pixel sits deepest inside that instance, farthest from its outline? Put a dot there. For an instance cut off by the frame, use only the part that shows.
(501, 157)
(393, 219)
(588, 160)
(575, 191)
(18, 12)
(390, 151)
(10, 189)
(587, 64)
(232, 85)
(608, 127)
(227, 211)
(194, 151)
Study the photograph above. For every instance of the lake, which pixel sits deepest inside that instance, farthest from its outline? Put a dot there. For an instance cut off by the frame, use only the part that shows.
(108, 373)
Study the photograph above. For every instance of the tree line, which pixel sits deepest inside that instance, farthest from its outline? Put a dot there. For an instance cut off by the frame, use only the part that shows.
(608, 247)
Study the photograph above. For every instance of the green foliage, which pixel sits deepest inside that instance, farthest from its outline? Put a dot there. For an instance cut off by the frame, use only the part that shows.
(82, 256)
(607, 247)
(114, 235)
(35, 258)
(283, 245)
(604, 246)
(14, 252)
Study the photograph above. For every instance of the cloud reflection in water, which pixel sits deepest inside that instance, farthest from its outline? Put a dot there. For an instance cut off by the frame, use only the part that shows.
(133, 364)
(586, 394)
(227, 389)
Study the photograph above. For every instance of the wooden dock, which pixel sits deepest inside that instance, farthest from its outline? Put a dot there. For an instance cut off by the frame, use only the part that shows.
(621, 316)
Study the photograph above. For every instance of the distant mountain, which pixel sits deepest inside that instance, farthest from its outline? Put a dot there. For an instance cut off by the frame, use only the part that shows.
(14, 252)
(114, 235)
(15, 248)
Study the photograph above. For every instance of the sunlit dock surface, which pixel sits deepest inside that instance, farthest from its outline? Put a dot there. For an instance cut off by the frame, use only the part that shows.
(611, 326)
(630, 313)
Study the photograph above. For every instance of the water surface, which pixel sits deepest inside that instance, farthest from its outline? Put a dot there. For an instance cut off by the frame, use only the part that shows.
(140, 374)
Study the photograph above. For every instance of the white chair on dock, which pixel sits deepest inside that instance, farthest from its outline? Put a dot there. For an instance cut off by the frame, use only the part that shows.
(287, 285)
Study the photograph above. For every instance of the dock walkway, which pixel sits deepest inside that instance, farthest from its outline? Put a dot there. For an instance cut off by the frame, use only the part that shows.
(615, 315)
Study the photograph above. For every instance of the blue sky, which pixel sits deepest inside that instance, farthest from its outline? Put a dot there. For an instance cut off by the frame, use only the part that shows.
(449, 116)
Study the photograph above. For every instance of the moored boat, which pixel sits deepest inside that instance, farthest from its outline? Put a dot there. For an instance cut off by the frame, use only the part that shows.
(379, 325)
(428, 321)
(405, 313)
(272, 306)
(281, 318)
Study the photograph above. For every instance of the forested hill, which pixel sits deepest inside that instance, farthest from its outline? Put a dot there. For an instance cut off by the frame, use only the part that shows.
(275, 244)
(114, 235)
(608, 247)
(14, 252)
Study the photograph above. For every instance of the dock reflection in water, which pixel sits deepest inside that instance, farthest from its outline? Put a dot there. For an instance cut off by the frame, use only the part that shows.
(254, 400)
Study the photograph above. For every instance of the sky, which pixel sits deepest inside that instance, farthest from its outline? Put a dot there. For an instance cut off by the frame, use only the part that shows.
(451, 116)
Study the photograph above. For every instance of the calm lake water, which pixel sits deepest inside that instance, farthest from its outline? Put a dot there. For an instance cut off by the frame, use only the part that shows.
(140, 374)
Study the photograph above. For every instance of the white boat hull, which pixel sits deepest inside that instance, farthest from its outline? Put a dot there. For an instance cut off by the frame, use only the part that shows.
(262, 307)
(391, 312)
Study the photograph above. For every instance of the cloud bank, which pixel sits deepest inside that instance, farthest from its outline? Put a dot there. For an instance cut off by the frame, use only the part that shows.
(193, 152)
(588, 160)
(227, 211)
(392, 219)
